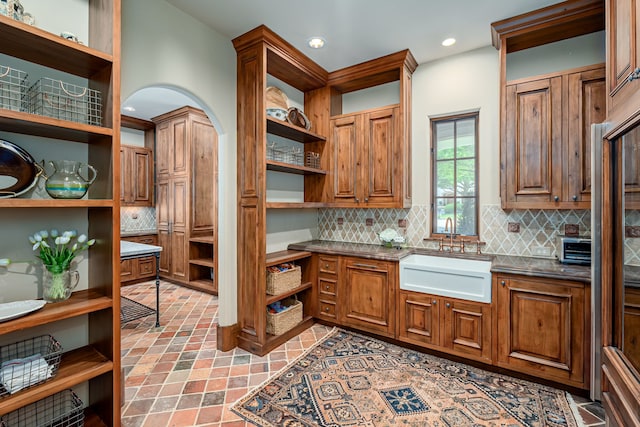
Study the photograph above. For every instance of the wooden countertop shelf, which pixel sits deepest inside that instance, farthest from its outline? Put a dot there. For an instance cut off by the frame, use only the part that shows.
(202, 239)
(36, 45)
(55, 203)
(76, 367)
(273, 165)
(205, 262)
(296, 205)
(48, 127)
(274, 298)
(81, 302)
(294, 133)
(279, 257)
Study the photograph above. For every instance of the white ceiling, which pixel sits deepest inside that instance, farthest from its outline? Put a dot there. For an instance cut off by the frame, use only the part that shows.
(354, 30)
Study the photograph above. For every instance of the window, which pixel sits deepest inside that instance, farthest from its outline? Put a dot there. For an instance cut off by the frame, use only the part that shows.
(454, 161)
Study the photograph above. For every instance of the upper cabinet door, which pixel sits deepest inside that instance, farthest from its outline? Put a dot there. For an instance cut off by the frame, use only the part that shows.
(345, 135)
(382, 152)
(623, 62)
(532, 149)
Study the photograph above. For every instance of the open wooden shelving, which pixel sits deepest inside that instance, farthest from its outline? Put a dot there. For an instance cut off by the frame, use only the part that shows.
(204, 262)
(303, 287)
(80, 302)
(95, 365)
(273, 165)
(294, 133)
(279, 257)
(202, 239)
(76, 367)
(296, 205)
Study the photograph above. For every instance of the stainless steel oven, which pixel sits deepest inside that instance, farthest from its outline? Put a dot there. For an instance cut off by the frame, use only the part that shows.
(574, 250)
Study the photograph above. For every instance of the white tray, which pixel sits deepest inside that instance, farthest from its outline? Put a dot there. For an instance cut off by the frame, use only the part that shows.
(11, 310)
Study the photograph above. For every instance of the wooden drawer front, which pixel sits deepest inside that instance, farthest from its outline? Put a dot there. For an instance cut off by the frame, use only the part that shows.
(147, 267)
(147, 240)
(327, 265)
(327, 310)
(127, 270)
(327, 289)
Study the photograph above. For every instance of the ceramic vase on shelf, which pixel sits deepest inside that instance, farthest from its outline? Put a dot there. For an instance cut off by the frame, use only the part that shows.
(66, 181)
(57, 285)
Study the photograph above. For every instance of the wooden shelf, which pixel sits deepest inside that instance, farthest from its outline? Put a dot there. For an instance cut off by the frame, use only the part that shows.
(81, 302)
(202, 239)
(273, 165)
(274, 341)
(274, 298)
(204, 262)
(42, 47)
(76, 367)
(279, 257)
(55, 203)
(294, 133)
(296, 205)
(48, 127)
(205, 285)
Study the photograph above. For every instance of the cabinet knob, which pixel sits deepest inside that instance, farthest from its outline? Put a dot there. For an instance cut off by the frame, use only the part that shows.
(326, 266)
(635, 75)
(575, 198)
(448, 305)
(556, 198)
(326, 287)
(366, 199)
(434, 302)
(503, 283)
(326, 309)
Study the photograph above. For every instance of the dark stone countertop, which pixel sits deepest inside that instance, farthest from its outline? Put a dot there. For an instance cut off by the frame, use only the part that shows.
(138, 233)
(528, 266)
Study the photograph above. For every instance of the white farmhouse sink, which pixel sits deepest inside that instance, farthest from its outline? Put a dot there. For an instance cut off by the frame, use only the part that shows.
(450, 277)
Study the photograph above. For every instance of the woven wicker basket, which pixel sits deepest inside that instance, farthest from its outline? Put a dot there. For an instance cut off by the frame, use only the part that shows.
(283, 281)
(279, 323)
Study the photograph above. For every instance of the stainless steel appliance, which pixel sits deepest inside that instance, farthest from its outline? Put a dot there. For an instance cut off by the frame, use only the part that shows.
(574, 250)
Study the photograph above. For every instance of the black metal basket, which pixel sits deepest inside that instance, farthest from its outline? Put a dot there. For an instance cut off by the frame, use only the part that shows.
(26, 363)
(62, 409)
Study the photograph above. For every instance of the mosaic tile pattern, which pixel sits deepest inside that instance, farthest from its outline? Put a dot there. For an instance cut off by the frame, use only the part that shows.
(133, 219)
(538, 228)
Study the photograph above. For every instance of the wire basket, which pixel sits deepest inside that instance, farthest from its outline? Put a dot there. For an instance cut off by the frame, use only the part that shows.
(26, 363)
(312, 160)
(62, 409)
(65, 101)
(13, 86)
(291, 155)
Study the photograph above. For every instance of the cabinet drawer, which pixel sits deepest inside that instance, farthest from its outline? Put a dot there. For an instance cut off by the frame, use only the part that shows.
(327, 309)
(147, 240)
(146, 267)
(327, 288)
(328, 265)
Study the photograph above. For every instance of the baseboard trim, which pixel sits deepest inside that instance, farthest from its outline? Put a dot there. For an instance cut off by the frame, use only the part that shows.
(227, 337)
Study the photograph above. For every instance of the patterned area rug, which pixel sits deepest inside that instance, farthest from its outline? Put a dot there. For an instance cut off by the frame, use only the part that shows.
(349, 379)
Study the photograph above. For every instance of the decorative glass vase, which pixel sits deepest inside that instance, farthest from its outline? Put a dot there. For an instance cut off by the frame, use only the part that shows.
(66, 181)
(57, 286)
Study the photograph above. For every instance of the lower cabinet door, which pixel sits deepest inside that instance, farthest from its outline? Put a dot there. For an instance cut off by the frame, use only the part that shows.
(127, 270)
(466, 328)
(419, 319)
(368, 295)
(542, 328)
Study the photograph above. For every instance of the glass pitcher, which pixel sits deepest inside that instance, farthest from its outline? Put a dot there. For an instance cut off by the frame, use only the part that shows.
(66, 181)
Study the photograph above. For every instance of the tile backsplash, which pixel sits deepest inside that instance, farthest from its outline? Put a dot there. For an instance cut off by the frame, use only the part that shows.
(526, 232)
(134, 219)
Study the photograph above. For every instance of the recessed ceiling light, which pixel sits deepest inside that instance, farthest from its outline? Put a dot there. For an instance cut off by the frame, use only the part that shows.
(448, 42)
(129, 108)
(315, 42)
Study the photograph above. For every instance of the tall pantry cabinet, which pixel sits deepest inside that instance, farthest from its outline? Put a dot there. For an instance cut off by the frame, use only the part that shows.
(93, 368)
(186, 202)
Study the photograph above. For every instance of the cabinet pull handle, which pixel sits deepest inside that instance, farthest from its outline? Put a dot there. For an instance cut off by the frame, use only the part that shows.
(357, 264)
(635, 75)
(448, 305)
(503, 283)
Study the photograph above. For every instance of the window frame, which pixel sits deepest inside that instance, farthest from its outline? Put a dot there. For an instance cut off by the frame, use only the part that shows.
(434, 182)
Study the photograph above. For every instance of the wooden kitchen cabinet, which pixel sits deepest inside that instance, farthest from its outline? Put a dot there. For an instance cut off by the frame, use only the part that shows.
(542, 328)
(546, 144)
(136, 183)
(367, 153)
(623, 50)
(139, 269)
(445, 324)
(186, 197)
(367, 290)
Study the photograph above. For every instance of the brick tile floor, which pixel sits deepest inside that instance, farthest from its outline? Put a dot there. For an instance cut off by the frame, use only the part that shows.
(174, 376)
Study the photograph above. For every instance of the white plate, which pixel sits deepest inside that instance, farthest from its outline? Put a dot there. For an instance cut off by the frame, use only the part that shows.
(11, 310)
